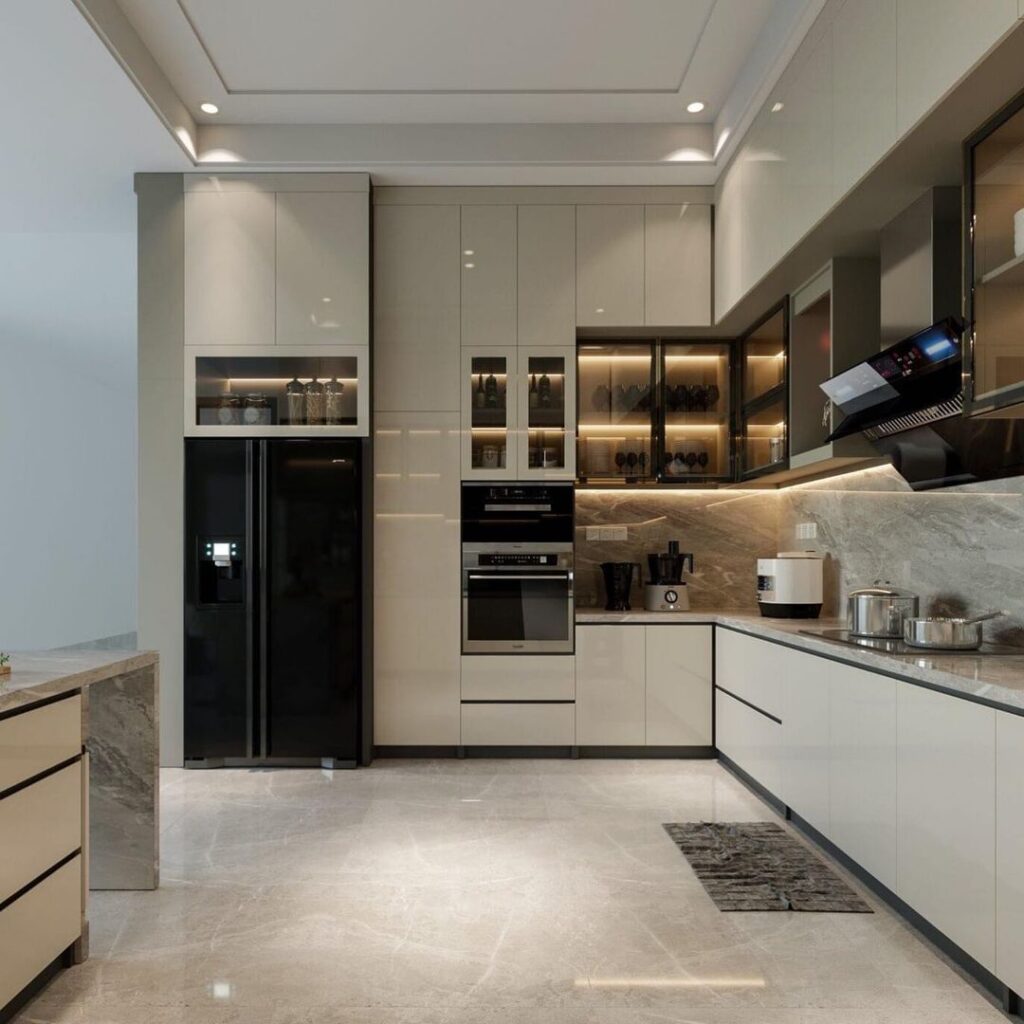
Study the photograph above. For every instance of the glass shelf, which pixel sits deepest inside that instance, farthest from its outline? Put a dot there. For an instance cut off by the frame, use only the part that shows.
(616, 410)
(236, 392)
(764, 437)
(764, 358)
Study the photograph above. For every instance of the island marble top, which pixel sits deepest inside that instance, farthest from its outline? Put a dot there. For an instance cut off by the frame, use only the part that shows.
(39, 675)
(994, 679)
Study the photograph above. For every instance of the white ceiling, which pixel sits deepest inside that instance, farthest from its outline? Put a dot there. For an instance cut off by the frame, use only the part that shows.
(75, 129)
(451, 61)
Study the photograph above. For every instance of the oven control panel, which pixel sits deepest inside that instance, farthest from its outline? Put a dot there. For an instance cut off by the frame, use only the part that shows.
(517, 559)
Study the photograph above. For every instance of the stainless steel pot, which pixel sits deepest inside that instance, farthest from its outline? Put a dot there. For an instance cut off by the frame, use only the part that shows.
(946, 634)
(880, 610)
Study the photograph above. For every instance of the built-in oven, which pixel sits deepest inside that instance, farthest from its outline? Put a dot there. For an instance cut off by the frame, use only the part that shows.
(517, 569)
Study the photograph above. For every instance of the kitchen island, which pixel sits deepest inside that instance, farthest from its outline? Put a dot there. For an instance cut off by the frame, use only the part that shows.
(78, 801)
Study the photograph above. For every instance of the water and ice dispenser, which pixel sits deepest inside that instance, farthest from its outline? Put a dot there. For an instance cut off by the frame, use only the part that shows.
(221, 580)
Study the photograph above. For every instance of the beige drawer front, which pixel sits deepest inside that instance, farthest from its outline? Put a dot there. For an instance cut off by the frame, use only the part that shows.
(32, 741)
(518, 725)
(40, 824)
(38, 927)
(518, 677)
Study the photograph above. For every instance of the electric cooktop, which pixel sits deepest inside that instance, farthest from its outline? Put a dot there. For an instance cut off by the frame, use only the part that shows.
(896, 646)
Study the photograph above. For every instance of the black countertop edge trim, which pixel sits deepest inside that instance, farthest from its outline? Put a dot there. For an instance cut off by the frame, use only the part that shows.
(40, 878)
(753, 707)
(688, 622)
(1009, 999)
(513, 700)
(39, 776)
(988, 702)
(41, 703)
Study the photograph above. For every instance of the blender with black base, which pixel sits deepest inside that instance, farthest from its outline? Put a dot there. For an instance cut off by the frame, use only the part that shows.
(618, 582)
(666, 591)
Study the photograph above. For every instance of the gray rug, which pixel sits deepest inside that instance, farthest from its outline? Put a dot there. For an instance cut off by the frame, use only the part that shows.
(759, 866)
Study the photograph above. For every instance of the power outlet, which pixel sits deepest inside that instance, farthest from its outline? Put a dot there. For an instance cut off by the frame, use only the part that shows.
(806, 531)
(593, 533)
(599, 533)
(618, 533)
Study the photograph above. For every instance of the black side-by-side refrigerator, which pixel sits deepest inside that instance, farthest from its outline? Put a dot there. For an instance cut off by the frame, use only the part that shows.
(273, 602)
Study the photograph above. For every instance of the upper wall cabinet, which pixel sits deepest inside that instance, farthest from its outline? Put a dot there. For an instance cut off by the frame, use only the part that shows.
(488, 238)
(546, 294)
(677, 264)
(416, 346)
(643, 265)
(323, 269)
(277, 259)
(229, 268)
(609, 266)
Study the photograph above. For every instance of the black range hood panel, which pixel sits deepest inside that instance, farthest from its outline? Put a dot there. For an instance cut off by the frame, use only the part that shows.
(917, 373)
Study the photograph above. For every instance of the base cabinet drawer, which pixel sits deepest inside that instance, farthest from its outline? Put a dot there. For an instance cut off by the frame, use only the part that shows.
(1010, 850)
(518, 677)
(753, 669)
(751, 740)
(38, 927)
(33, 741)
(518, 725)
(39, 825)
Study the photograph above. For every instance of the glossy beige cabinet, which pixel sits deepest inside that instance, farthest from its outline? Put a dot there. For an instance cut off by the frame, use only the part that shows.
(644, 685)
(750, 739)
(805, 739)
(609, 265)
(322, 268)
(488, 235)
(546, 276)
(417, 588)
(518, 725)
(502, 677)
(230, 275)
(678, 685)
(751, 669)
(38, 739)
(610, 684)
(417, 285)
(677, 264)
(1010, 850)
(862, 767)
(946, 816)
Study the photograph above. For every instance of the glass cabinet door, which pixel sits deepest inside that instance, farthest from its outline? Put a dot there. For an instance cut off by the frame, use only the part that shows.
(488, 414)
(764, 437)
(764, 358)
(547, 412)
(616, 410)
(696, 403)
(264, 391)
(995, 262)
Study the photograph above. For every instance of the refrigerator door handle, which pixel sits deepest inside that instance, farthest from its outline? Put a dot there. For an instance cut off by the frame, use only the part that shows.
(263, 504)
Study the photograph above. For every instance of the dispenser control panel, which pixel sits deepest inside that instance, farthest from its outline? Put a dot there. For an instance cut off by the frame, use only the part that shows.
(221, 552)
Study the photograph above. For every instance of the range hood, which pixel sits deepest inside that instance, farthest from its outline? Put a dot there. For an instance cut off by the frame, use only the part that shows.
(912, 383)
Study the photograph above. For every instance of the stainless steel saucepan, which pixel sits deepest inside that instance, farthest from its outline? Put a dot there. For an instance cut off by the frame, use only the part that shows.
(946, 634)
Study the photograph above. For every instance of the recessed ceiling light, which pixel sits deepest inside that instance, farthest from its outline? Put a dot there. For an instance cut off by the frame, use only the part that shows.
(209, 108)
(467, 252)
(777, 106)
(695, 107)
(469, 266)
(600, 309)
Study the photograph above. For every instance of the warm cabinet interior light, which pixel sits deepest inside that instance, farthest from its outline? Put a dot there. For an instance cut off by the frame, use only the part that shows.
(209, 108)
(776, 107)
(695, 107)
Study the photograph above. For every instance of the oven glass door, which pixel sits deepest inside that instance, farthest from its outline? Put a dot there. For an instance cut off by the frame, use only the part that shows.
(517, 611)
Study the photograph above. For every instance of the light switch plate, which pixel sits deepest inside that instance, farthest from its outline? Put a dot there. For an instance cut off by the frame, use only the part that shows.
(593, 533)
(806, 531)
(618, 533)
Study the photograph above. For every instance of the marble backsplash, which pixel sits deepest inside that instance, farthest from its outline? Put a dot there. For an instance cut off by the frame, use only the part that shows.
(961, 549)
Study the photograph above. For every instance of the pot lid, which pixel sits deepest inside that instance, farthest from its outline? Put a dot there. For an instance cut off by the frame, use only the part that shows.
(881, 590)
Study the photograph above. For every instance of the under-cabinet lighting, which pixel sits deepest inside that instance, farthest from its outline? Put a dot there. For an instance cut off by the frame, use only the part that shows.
(614, 358)
(697, 427)
(209, 108)
(695, 358)
(288, 380)
(695, 107)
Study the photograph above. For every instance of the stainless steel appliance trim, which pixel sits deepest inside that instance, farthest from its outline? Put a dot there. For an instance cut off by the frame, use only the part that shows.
(517, 508)
(518, 574)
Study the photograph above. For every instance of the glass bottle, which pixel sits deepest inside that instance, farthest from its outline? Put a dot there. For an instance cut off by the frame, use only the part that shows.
(480, 396)
(544, 391)
(256, 411)
(333, 392)
(295, 393)
(229, 412)
(315, 403)
(534, 396)
(491, 391)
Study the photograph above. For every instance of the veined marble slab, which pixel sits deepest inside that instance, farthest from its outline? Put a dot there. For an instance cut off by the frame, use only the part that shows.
(996, 679)
(120, 698)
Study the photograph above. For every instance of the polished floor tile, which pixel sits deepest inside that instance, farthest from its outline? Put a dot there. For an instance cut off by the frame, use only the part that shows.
(476, 892)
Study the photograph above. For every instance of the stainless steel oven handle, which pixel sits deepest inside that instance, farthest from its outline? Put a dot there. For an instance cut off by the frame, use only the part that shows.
(523, 576)
(517, 508)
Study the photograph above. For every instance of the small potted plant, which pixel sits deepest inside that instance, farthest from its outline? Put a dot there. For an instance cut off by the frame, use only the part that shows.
(5, 663)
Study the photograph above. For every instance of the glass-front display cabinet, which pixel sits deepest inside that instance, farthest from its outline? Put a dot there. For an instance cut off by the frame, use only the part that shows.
(763, 430)
(489, 414)
(994, 264)
(696, 390)
(264, 391)
(547, 412)
(617, 388)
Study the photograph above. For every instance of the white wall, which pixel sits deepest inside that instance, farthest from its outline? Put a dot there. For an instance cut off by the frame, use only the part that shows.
(67, 438)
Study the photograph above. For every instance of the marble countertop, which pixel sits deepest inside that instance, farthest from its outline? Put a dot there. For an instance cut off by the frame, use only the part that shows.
(37, 675)
(995, 679)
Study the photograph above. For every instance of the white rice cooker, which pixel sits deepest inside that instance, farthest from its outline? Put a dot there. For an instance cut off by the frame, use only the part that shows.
(789, 586)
